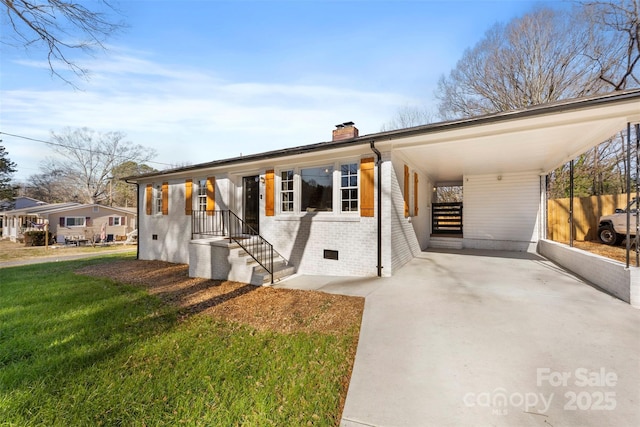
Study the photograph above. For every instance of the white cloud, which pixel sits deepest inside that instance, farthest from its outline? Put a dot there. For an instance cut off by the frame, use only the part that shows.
(191, 116)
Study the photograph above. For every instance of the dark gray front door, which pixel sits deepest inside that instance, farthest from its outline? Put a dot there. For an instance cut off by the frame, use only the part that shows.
(251, 190)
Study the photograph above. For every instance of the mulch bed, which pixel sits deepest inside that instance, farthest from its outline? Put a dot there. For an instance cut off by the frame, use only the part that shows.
(264, 308)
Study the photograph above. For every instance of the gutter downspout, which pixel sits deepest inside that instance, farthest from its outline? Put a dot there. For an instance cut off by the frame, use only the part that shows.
(379, 166)
(137, 215)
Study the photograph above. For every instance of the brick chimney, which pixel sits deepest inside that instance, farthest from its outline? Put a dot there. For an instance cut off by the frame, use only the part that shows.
(345, 130)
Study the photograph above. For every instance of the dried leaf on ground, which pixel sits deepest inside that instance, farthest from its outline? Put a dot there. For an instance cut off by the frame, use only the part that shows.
(264, 308)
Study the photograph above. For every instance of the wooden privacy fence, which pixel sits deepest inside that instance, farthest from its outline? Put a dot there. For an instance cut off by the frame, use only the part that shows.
(586, 214)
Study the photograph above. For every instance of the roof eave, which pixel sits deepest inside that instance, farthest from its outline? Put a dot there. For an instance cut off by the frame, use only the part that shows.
(537, 110)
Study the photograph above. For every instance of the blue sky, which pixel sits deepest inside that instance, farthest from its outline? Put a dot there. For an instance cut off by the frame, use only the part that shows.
(204, 80)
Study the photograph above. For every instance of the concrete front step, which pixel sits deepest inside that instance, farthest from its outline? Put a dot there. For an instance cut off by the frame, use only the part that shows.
(438, 242)
(262, 277)
(219, 259)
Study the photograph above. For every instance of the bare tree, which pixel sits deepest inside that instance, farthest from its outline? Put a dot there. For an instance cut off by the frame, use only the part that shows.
(88, 158)
(617, 25)
(532, 60)
(60, 27)
(52, 185)
(408, 116)
(549, 55)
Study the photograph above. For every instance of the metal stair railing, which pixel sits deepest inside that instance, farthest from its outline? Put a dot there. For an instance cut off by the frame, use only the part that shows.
(208, 223)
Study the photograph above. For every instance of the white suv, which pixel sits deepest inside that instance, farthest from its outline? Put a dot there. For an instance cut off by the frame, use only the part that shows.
(613, 228)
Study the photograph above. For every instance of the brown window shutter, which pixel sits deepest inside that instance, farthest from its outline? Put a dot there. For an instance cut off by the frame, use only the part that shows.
(62, 221)
(269, 203)
(110, 220)
(165, 198)
(415, 194)
(367, 193)
(211, 195)
(406, 191)
(123, 220)
(188, 197)
(148, 195)
(87, 222)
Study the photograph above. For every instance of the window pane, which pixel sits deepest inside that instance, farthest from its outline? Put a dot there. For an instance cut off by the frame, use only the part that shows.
(286, 191)
(349, 184)
(317, 189)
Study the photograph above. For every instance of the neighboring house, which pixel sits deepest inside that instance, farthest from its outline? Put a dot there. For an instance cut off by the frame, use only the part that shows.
(363, 205)
(16, 203)
(70, 221)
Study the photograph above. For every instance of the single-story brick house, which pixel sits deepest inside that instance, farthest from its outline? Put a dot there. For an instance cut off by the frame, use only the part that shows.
(70, 221)
(363, 205)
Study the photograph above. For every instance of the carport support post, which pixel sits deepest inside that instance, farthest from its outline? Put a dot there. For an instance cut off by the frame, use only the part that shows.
(628, 191)
(571, 203)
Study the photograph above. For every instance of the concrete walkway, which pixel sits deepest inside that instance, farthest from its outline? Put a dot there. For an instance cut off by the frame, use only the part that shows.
(475, 338)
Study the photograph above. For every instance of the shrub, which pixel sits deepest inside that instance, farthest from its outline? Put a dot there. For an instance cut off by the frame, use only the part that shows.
(37, 238)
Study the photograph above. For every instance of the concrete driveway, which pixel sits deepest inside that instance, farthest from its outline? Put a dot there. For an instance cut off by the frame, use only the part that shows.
(473, 338)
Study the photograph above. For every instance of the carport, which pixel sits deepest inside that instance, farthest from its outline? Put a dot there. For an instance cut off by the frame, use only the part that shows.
(502, 161)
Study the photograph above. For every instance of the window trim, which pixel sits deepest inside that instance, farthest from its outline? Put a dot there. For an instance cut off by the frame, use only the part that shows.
(349, 188)
(200, 193)
(281, 192)
(156, 204)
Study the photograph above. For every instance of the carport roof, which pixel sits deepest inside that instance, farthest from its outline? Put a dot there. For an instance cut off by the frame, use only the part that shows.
(539, 138)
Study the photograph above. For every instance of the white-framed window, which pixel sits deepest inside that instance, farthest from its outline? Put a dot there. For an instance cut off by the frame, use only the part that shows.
(157, 199)
(287, 191)
(349, 187)
(74, 221)
(116, 220)
(201, 195)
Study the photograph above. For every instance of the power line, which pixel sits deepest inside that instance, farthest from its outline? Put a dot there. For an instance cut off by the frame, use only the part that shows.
(74, 148)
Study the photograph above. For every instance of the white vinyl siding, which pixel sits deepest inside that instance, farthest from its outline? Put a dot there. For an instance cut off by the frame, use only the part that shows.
(502, 210)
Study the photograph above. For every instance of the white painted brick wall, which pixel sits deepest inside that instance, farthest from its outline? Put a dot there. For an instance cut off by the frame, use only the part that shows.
(173, 230)
(404, 241)
(501, 214)
(302, 240)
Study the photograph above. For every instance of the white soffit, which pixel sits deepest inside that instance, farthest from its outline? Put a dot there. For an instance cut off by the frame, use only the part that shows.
(531, 144)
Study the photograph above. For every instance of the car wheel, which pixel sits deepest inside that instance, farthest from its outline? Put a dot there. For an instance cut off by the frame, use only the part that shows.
(608, 235)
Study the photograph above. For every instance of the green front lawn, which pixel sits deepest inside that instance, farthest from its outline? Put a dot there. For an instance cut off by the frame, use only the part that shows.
(76, 350)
